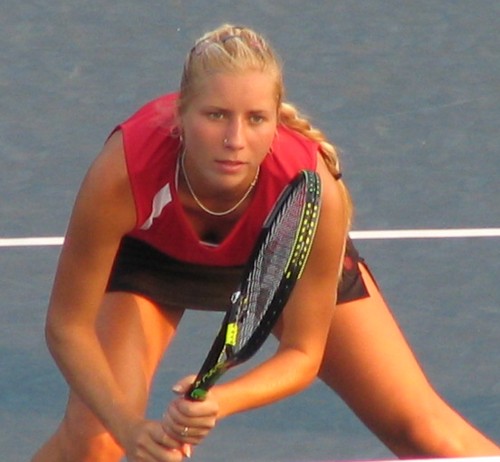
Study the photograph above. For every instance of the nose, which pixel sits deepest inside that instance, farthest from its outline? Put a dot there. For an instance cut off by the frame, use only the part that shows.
(235, 134)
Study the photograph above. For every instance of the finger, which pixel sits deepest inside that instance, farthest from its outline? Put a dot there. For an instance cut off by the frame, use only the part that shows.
(182, 386)
(172, 444)
(164, 439)
(174, 421)
(175, 424)
(161, 447)
(184, 434)
(194, 413)
(187, 450)
(171, 425)
(187, 429)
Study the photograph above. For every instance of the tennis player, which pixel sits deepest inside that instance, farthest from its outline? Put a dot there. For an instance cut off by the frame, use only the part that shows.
(165, 220)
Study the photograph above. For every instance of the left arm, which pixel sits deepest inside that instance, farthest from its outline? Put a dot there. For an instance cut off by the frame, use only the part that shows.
(304, 324)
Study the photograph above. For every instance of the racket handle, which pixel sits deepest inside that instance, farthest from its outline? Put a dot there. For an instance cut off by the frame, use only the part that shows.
(196, 394)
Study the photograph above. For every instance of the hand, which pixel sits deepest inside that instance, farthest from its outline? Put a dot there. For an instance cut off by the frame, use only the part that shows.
(187, 421)
(147, 442)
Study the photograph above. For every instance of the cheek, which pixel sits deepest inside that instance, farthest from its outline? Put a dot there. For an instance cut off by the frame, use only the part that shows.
(266, 140)
(262, 145)
(200, 134)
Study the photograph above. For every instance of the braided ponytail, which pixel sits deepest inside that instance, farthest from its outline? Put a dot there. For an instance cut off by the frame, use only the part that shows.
(291, 118)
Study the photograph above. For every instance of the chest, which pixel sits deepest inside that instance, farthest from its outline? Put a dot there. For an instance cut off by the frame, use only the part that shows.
(208, 229)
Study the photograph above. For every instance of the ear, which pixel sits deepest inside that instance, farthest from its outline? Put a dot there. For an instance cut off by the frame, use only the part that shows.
(176, 130)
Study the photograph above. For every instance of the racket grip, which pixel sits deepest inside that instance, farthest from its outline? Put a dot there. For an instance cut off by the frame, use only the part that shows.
(196, 394)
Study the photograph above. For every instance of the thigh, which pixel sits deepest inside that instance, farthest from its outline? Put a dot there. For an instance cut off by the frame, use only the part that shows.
(370, 365)
(134, 334)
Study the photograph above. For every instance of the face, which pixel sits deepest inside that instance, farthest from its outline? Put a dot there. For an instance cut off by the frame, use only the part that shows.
(228, 128)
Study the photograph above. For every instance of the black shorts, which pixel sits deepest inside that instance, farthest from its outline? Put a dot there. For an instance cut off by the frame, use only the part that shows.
(141, 269)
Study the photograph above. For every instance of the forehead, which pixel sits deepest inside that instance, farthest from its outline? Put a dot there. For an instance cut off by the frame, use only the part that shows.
(253, 90)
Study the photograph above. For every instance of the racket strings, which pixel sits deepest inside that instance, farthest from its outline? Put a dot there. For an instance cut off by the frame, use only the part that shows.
(272, 264)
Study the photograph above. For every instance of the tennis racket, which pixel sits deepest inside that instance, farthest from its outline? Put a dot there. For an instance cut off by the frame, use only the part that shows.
(277, 262)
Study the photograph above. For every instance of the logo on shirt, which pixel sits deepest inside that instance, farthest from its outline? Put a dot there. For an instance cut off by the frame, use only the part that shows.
(161, 199)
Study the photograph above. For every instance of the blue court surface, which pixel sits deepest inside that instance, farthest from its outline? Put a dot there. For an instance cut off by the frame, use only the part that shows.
(410, 92)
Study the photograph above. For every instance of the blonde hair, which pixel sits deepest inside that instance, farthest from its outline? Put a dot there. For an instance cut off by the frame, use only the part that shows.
(227, 49)
(237, 49)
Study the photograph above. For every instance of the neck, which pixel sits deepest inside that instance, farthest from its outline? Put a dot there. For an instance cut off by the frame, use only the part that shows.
(202, 206)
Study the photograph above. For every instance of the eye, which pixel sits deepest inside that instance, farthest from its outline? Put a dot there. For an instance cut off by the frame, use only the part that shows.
(215, 115)
(257, 119)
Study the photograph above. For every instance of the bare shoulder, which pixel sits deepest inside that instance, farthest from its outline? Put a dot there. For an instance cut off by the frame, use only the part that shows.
(102, 214)
(105, 200)
(109, 168)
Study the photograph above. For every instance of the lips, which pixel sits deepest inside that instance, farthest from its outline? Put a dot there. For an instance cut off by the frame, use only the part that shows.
(230, 166)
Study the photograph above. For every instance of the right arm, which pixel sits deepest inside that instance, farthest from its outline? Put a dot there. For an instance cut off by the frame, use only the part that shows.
(103, 212)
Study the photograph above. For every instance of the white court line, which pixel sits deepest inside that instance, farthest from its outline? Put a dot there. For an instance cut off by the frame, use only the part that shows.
(452, 459)
(376, 234)
(426, 233)
(30, 241)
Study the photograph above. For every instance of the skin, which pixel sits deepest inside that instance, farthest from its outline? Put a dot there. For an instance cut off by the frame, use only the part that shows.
(109, 345)
(247, 121)
(370, 365)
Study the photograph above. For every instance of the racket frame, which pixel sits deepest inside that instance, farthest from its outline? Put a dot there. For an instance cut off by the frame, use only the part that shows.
(222, 356)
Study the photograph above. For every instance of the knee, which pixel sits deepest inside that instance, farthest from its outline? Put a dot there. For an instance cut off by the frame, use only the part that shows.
(427, 434)
(96, 448)
(83, 438)
(66, 446)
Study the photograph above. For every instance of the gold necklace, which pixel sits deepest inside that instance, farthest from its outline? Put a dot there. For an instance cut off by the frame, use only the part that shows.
(206, 209)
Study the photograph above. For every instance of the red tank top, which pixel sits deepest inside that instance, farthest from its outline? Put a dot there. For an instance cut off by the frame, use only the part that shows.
(151, 154)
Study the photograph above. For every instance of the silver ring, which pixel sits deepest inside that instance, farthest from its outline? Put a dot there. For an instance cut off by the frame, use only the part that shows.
(225, 141)
(185, 431)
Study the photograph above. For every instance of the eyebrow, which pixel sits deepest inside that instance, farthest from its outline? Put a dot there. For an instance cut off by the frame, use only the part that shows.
(214, 107)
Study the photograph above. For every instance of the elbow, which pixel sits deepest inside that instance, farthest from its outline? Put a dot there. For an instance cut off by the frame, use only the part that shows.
(57, 335)
(307, 367)
(53, 336)
(312, 372)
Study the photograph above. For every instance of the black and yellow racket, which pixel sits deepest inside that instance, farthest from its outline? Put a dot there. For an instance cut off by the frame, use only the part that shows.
(277, 262)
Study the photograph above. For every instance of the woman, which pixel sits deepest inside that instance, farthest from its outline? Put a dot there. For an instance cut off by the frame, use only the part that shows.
(165, 219)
